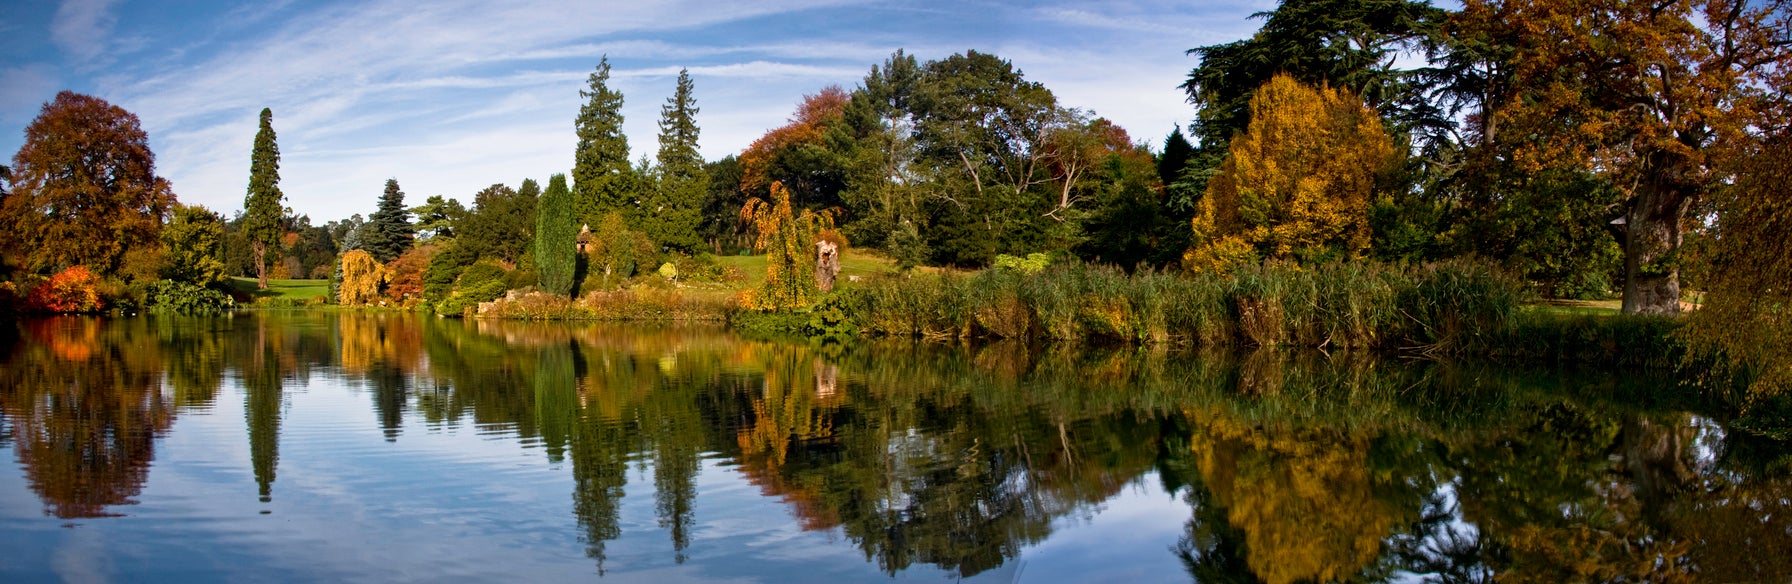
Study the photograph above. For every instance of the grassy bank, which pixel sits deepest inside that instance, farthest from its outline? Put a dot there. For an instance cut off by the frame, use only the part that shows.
(281, 292)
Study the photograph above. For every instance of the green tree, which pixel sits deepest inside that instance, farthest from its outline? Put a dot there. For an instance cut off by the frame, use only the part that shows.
(502, 222)
(84, 186)
(1296, 184)
(264, 206)
(438, 217)
(875, 144)
(192, 246)
(556, 234)
(671, 214)
(389, 231)
(602, 178)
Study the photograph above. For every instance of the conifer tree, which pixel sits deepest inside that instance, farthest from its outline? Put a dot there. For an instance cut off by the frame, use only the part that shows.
(671, 214)
(556, 238)
(389, 229)
(602, 179)
(265, 204)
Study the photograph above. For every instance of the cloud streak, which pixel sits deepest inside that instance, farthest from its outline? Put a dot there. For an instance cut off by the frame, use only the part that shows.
(81, 27)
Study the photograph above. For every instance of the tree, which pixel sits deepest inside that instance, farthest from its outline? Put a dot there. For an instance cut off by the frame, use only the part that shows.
(438, 217)
(84, 188)
(1645, 94)
(797, 154)
(1743, 326)
(670, 216)
(1296, 184)
(192, 246)
(875, 144)
(556, 234)
(264, 205)
(788, 240)
(502, 222)
(602, 178)
(361, 278)
(389, 231)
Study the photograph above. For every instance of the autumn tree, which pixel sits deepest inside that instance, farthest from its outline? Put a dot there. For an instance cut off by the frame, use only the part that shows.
(1645, 94)
(84, 186)
(1296, 184)
(1743, 326)
(671, 213)
(602, 179)
(788, 240)
(264, 205)
(797, 154)
(192, 246)
(556, 251)
(389, 231)
(361, 278)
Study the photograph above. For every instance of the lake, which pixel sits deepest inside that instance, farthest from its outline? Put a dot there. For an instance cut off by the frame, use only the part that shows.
(310, 446)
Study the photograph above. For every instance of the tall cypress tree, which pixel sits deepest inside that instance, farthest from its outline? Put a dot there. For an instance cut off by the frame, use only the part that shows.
(671, 215)
(389, 230)
(603, 180)
(265, 204)
(556, 238)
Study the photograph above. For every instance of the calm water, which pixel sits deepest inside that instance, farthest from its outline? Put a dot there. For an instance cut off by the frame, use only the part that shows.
(312, 447)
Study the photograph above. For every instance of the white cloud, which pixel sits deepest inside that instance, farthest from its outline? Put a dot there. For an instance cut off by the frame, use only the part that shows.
(24, 88)
(81, 27)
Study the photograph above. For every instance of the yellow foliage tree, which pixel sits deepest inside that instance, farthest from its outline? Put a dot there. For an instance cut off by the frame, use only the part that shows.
(788, 240)
(1745, 326)
(1296, 183)
(361, 278)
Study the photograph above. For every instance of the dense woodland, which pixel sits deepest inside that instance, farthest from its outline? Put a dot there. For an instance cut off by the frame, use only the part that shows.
(1590, 148)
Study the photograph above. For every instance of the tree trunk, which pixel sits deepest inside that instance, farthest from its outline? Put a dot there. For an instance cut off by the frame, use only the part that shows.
(1652, 238)
(261, 265)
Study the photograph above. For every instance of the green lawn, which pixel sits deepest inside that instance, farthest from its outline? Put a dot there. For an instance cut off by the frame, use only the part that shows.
(852, 263)
(282, 290)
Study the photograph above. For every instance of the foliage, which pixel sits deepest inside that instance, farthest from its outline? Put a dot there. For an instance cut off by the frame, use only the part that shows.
(264, 205)
(444, 269)
(389, 232)
(71, 291)
(362, 277)
(502, 222)
(1032, 264)
(1648, 95)
(556, 245)
(634, 304)
(1296, 184)
(192, 243)
(180, 297)
(439, 218)
(603, 181)
(788, 241)
(798, 155)
(470, 295)
(84, 189)
(672, 211)
(1744, 323)
(614, 252)
(405, 274)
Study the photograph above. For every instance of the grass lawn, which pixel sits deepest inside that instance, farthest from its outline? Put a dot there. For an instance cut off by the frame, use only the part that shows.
(852, 263)
(284, 290)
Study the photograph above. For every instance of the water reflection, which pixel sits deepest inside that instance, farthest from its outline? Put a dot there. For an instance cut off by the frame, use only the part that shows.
(1293, 467)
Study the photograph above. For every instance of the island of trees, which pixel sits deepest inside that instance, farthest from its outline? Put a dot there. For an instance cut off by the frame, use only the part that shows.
(1383, 174)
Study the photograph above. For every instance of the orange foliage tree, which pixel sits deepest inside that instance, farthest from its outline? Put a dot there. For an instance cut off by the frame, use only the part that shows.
(1296, 183)
(404, 276)
(795, 154)
(1649, 94)
(74, 290)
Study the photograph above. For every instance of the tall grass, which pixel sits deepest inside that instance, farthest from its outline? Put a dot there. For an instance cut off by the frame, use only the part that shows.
(1433, 309)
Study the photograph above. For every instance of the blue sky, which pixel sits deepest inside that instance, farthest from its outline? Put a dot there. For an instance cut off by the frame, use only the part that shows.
(450, 96)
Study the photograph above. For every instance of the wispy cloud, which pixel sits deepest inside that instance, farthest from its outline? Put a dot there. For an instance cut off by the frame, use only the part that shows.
(82, 28)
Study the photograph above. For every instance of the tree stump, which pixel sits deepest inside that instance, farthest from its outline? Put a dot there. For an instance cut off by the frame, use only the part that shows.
(827, 264)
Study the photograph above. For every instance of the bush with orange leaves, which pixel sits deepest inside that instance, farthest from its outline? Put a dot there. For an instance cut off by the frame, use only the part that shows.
(72, 291)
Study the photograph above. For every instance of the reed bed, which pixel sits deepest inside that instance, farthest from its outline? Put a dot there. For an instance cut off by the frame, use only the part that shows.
(1432, 309)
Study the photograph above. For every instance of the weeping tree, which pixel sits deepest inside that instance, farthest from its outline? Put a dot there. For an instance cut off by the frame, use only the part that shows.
(788, 241)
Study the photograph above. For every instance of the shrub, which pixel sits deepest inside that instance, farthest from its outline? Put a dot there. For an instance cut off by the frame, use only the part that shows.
(71, 291)
(361, 278)
(471, 294)
(405, 275)
(173, 297)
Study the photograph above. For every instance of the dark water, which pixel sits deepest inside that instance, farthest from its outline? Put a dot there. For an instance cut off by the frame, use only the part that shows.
(318, 447)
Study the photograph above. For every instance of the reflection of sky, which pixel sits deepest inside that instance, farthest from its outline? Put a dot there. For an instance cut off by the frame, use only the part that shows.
(458, 503)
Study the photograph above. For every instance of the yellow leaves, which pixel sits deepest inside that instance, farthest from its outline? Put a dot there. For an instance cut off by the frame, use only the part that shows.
(361, 278)
(1297, 180)
(789, 244)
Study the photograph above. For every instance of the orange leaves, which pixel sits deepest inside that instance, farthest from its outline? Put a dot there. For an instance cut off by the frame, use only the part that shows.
(74, 290)
(812, 118)
(789, 243)
(1296, 183)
